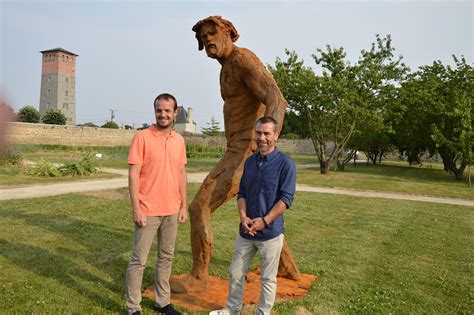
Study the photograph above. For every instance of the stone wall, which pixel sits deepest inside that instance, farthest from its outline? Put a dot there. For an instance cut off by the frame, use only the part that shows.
(24, 133)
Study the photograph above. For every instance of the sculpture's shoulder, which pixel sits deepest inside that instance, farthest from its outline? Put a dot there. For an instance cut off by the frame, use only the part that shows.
(246, 59)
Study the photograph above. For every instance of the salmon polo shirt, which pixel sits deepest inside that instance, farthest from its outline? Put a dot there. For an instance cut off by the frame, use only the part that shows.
(161, 159)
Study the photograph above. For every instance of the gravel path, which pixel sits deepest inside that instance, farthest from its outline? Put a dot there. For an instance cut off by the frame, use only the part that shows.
(43, 190)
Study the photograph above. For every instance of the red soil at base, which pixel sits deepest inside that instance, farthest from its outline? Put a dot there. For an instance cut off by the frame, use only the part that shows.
(216, 296)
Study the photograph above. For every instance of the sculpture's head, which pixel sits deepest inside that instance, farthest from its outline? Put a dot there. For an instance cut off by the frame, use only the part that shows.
(216, 35)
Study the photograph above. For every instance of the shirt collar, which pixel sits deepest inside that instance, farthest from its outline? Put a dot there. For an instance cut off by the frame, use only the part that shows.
(268, 157)
(157, 133)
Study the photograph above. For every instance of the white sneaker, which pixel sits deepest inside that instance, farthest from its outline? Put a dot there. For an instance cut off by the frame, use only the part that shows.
(224, 311)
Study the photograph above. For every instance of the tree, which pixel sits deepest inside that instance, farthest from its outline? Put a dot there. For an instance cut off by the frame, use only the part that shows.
(110, 125)
(28, 114)
(292, 126)
(90, 124)
(54, 116)
(436, 114)
(332, 104)
(213, 129)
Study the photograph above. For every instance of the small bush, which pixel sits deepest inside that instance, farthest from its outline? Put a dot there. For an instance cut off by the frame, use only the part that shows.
(110, 125)
(54, 116)
(86, 167)
(43, 169)
(290, 136)
(28, 114)
(11, 157)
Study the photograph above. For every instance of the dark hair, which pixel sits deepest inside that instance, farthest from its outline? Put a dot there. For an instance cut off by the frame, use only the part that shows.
(266, 120)
(166, 97)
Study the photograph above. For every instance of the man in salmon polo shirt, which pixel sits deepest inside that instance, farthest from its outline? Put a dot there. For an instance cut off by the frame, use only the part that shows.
(157, 184)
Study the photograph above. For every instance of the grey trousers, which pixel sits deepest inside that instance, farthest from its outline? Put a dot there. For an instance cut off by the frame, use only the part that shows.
(165, 228)
(244, 252)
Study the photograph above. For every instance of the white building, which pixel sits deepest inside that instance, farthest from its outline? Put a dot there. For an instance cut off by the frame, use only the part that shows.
(184, 121)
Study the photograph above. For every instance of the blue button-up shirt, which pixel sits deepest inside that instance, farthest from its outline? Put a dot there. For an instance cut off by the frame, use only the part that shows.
(265, 181)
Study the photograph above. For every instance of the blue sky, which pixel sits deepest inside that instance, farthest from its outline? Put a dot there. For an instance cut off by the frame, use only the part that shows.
(130, 51)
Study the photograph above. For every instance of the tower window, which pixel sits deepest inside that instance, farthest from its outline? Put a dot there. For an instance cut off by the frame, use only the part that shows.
(63, 58)
(67, 80)
(49, 79)
(49, 92)
(48, 105)
(65, 106)
(67, 93)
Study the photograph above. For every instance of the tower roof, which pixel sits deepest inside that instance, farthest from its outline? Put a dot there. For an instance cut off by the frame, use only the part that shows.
(182, 117)
(58, 49)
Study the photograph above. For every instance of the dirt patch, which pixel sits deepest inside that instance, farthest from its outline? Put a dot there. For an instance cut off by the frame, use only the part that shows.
(216, 296)
(114, 194)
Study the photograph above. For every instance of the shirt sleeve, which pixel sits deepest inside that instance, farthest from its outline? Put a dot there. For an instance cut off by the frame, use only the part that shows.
(135, 156)
(288, 186)
(241, 193)
(184, 160)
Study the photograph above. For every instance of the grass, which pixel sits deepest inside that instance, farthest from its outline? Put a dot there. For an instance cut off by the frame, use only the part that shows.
(69, 253)
(10, 176)
(111, 156)
(390, 178)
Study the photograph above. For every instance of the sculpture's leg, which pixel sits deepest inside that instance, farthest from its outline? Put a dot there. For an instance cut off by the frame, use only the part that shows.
(287, 267)
(220, 185)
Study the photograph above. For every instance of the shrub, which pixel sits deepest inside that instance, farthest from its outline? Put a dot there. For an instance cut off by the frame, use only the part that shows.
(86, 167)
(111, 125)
(43, 169)
(10, 157)
(54, 116)
(290, 136)
(28, 114)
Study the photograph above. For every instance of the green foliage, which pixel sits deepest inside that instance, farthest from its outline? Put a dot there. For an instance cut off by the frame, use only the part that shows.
(332, 104)
(435, 113)
(11, 157)
(54, 116)
(28, 114)
(201, 152)
(144, 126)
(88, 166)
(293, 125)
(43, 169)
(213, 129)
(110, 125)
(90, 124)
(290, 136)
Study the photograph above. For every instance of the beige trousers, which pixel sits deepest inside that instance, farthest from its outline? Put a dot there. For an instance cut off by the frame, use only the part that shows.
(165, 228)
(244, 252)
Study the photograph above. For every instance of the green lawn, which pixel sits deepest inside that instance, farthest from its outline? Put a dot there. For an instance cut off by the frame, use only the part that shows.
(10, 176)
(68, 254)
(390, 176)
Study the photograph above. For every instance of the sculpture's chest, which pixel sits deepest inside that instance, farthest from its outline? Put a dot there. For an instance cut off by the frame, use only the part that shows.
(231, 79)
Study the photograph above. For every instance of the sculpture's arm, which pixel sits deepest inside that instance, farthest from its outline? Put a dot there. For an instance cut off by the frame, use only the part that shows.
(261, 83)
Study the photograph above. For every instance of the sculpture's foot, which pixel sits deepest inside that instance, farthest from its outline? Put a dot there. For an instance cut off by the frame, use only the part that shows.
(291, 274)
(188, 284)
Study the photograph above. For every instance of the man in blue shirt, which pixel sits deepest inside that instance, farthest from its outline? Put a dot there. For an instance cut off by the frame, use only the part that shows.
(267, 188)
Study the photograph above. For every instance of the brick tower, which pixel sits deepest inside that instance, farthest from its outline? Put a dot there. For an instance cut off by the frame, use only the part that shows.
(58, 83)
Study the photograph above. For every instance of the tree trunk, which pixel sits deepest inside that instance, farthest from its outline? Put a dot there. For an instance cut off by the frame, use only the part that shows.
(324, 167)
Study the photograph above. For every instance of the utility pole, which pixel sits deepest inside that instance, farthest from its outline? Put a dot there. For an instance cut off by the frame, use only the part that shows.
(112, 115)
